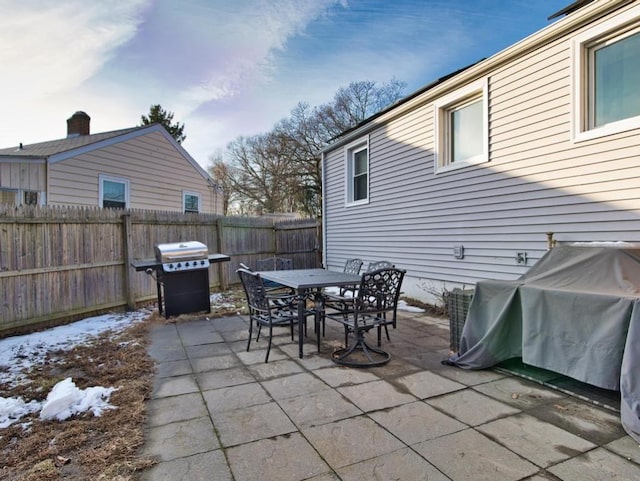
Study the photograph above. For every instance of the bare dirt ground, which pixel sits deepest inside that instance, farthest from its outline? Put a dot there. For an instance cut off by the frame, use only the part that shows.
(86, 447)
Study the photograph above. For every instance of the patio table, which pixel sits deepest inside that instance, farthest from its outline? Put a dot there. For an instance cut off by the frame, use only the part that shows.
(304, 281)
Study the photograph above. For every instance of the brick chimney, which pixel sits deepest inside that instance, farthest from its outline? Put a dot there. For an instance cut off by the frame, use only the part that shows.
(78, 124)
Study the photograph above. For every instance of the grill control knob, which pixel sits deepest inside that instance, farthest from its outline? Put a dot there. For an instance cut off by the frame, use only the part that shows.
(179, 265)
(201, 263)
(186, 264)
(170, 266)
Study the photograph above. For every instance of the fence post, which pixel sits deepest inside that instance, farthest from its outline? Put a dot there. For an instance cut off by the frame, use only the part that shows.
(220, 240)
(128, 258)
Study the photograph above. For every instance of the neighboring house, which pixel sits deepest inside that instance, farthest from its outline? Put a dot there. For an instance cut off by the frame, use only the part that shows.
(462, 180)
(139, 167)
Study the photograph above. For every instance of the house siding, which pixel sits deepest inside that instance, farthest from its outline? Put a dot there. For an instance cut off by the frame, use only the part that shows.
(22, 175)
(537, 181)
(155, 184)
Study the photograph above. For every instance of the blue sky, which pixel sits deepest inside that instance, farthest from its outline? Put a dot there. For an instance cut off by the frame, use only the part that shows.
(230, 67)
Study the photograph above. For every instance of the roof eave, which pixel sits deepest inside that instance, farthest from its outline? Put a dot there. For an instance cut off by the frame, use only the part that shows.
(436, 89)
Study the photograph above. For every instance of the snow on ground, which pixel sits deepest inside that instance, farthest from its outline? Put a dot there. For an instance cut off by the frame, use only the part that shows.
(18, 354)
(402, 305)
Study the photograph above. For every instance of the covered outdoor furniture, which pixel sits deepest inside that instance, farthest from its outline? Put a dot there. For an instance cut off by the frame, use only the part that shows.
(374, 306)
(575, 312)
(266, 309)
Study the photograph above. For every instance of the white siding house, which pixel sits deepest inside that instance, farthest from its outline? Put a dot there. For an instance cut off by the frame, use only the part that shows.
(462, 180)
(139, 167)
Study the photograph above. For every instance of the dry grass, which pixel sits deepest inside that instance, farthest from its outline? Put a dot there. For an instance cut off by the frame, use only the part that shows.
(86, 447)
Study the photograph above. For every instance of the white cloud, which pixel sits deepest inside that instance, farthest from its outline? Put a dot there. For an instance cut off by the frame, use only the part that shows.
(224, 68)
(59, 45)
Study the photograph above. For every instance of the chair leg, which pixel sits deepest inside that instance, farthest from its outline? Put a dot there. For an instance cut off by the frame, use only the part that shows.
(316, 323)
(250, 333)
(386, 330)
(266, 358)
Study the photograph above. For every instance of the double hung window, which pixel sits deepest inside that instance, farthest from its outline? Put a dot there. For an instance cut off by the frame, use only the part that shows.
(462, 127)
(191, 202)
(606, 96)
(113, 192)
(357, 175)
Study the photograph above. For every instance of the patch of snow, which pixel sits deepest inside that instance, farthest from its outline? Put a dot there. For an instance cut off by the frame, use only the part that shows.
(403, 306)
(18, 354)
(14, 408)
(65, 400)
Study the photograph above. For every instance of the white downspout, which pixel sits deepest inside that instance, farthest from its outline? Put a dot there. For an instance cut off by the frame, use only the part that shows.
(324, 213)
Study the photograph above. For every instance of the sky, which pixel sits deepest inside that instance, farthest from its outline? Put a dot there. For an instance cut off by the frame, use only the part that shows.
(230, 68)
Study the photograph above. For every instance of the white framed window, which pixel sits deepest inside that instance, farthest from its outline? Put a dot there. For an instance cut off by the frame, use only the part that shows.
(606, 76)
(357, 172)
(462, 127)
(113, 192)
(190, 202)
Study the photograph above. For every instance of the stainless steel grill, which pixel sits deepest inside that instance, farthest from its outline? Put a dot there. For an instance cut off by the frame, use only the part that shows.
(181, 271)
(182, 256)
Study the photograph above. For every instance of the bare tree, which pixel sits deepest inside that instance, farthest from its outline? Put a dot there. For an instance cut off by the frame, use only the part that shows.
(257, 171)
(281, 171)
(356, 102)
(219, 172)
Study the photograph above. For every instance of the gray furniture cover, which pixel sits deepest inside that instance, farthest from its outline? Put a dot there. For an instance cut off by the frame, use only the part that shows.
(575, 312)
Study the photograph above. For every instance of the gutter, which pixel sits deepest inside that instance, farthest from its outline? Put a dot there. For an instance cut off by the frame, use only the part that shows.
(548, 34)
(324, 209)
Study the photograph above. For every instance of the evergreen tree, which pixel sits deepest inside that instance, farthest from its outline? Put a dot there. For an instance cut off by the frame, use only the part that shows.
(157, 115)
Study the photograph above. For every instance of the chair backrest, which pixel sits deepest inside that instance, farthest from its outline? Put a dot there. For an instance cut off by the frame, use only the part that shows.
(274, 264)
(254, 290)
(379, 291)
(374, 266)
(352, 266)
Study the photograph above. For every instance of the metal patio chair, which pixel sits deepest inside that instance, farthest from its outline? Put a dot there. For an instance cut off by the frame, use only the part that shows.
(266, 309)
(375, 265)
(374, 306)
(343, 301)
(345, 294)
(274, 264)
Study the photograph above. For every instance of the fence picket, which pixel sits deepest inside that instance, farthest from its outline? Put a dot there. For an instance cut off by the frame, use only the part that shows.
(58, 264)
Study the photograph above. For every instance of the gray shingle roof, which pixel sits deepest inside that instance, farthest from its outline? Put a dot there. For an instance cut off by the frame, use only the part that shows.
(52, 147)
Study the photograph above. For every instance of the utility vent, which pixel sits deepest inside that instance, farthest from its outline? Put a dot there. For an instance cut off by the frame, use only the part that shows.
(458, 302)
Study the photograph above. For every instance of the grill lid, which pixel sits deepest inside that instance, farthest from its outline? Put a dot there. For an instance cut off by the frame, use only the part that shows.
(181, 251)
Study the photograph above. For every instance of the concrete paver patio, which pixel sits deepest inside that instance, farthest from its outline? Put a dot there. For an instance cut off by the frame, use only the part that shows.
(220, 413)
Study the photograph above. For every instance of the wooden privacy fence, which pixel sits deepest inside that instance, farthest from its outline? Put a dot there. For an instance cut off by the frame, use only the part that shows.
(59, 264)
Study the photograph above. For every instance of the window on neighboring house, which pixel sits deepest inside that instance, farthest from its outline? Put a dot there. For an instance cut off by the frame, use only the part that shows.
(114, 192)
(30, 197)
(462, 127)
(606, 78)
(357, 163)
(191, 202)
(8, 196)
